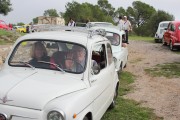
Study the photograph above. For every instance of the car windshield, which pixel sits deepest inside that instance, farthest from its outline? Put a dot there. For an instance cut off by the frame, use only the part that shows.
(49, 54)
(164, 25)
(114, 38)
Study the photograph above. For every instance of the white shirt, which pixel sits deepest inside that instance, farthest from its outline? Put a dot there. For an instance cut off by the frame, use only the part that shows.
(71, 24)
(121, 24)
(126, 25)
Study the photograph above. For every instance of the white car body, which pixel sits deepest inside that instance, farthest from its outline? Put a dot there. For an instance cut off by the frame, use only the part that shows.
(91, 24)
(28, 93)
(160, 31)
(120, 52)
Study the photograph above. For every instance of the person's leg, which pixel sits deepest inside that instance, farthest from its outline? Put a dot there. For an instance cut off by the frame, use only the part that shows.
(127, 36)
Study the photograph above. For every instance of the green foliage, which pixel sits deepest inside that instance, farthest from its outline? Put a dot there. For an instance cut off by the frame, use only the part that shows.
(156, 18)
(35, 20)
(8, 37)
(85, 11)
(141, 38)
(20, 24)
(168, 70)
(51, 13)
(140, 12)
(128, 109)
(106, 7)
(5, 7)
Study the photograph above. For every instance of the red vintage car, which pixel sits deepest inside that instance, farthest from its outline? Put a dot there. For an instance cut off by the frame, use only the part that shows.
(4, 26)
(172, 35)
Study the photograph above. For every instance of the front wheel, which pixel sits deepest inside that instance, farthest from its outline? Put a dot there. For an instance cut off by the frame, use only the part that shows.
(163, 41)
(85, 118)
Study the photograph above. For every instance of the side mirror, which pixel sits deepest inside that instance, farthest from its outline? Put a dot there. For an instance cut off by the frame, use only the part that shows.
(95, 69)
(165, 28)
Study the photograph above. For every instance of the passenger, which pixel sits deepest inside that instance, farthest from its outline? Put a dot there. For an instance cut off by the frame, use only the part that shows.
(80, 54)
(58, 58)
(69, 62)
(39, 53)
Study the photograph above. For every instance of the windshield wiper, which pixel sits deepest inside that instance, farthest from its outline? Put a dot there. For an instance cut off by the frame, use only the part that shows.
(56, 65)
(25, 63)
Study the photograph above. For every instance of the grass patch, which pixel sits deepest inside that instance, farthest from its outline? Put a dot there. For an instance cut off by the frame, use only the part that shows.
(169, 70)
(128, 109)
(140, 38)
(136, 60)
(9, 37)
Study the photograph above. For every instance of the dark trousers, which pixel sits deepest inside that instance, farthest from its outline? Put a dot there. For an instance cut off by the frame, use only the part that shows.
(126, 31)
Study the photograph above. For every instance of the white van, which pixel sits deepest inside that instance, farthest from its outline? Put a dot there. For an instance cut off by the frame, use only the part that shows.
(160, 31)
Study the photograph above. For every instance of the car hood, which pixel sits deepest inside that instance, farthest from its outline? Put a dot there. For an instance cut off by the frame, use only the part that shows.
(33, 90)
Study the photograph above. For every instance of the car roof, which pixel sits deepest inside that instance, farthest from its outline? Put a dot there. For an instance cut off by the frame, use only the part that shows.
(175, 22)
(69, 36)
(100, 23)
(110, 29)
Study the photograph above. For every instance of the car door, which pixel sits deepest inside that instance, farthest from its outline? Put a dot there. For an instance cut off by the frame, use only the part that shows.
(167, 33)
(101, 83)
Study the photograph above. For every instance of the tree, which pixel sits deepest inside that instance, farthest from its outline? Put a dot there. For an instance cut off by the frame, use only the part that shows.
(51, 12)
(106, 7)
(82, 12)
(35, 20)
(158, 17)
(140, 12)
(5, 7)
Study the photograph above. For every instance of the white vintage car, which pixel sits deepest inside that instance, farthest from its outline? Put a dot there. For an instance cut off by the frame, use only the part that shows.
(43, 77)
(120, 52)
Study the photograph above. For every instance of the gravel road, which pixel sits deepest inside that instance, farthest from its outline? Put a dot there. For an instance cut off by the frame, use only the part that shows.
(159, 93)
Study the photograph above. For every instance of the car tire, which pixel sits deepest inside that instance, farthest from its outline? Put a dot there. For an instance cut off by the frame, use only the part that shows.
(113, 104)
(85, 118)
(171, 46)
(163, 41)
(156, 40)
(120, 69)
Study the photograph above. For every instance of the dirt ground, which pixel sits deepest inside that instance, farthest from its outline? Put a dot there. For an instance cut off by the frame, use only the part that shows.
(159, 93)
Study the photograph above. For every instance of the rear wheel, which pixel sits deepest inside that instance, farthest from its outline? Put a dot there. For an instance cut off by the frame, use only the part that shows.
(114, 98)
(171, 46)
(85, 118)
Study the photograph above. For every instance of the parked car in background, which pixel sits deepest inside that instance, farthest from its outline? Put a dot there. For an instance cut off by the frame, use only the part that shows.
(91, 24)
(172, 35)
(120, 52)
(53, 88)
(16, 27)
(4, 26)
(160, 31)
(23, 29)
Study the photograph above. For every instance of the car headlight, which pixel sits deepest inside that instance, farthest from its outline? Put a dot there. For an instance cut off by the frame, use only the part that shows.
(55, 115)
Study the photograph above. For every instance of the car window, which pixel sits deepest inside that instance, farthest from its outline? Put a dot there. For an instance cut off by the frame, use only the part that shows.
(172, 27)
(49, 54)
(109, 54)
(99, 55)
(164, 25)
(114, 38)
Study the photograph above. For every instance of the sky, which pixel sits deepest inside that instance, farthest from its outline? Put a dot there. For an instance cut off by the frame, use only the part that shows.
(25, 10)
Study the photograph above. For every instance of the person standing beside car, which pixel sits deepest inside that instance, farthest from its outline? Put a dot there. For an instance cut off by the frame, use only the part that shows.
(71, 22)
(127, 27)
(120, 23)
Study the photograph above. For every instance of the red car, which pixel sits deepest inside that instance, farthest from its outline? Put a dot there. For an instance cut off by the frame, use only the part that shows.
(172, 35)
(4, 26)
